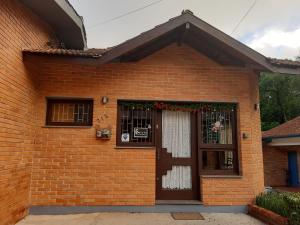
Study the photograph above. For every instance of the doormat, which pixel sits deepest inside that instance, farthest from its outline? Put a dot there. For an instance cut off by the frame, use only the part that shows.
(187, 216)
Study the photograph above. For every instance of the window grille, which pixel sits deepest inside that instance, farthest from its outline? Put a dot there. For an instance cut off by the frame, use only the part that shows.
(69, 112)
(218, 140)
(135, 125)
(216, 127)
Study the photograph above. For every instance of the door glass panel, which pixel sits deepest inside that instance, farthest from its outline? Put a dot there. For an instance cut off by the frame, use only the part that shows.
(179, 178)
(217, 160)
(176, 133)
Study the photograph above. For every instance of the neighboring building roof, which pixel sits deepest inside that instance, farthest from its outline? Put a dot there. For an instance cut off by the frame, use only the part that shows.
(284, 63)
(64, 19)
(288, 129)
(90, 53)
(190, 29)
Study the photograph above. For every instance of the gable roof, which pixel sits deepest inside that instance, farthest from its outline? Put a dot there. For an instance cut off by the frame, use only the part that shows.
(194, 31)
(288, 129)
(185, 18)
(64, 19)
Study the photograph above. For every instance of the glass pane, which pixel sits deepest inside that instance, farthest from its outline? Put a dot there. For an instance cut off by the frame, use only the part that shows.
(216, 127)
(136, 124)
(217, 160)
(176, 133)
(70, 112)
(63, 112)
(179, 178)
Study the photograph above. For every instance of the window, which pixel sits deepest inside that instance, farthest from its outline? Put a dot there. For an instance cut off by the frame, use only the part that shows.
(135, 124)
(69, 112)
(217, 140)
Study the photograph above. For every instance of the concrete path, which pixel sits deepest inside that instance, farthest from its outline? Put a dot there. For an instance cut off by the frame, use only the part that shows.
(139, 219)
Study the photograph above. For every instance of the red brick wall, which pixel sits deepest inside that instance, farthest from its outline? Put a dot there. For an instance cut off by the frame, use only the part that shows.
(275, 166)
(71, 167)
(19, 28)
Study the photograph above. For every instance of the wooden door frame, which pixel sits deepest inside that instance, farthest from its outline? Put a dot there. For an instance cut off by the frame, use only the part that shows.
(193, 194)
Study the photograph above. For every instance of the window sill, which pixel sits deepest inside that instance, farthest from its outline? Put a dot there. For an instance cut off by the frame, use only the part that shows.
(222, 176)
(76, 127)
(135, 147)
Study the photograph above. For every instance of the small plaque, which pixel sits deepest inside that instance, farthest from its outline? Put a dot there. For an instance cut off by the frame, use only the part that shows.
(140, 132)
(125, 137)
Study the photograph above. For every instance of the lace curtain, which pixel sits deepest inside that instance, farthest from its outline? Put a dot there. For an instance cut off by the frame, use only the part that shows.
(176, 133)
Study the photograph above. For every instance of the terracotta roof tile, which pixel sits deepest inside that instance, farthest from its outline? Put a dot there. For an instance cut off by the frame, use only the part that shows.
(284, 63)
(289, 128)
(90, 53)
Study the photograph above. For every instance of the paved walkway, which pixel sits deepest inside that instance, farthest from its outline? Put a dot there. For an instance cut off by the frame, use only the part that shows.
(139, 219)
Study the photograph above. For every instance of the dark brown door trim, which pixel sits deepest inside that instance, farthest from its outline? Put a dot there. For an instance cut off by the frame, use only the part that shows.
(164, 162)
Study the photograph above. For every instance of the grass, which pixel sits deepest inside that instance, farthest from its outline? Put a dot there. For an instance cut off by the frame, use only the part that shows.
(285, 204)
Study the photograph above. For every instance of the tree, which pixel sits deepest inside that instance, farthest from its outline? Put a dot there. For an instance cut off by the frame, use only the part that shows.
(280, 99)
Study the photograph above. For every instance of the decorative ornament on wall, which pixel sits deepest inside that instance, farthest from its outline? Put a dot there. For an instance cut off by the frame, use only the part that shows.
(104, 133)
(125, 137)
(181, 106)
(103, 130)
(216, 126)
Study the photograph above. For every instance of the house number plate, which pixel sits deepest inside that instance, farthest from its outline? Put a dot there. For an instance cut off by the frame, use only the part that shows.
(140, 132)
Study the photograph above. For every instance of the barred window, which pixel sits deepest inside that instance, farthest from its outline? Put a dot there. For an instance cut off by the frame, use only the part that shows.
(216, 126)
(135, 124)
(217, 140)
(69, 112)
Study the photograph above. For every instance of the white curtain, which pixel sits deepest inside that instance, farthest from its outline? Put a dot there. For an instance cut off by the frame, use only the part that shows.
(176, 138)
(178, 178)
(225, 134)
(176, 133)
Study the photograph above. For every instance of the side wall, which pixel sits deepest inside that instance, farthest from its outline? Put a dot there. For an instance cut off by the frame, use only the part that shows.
(275, 166)
(19, 28)
(71, 167)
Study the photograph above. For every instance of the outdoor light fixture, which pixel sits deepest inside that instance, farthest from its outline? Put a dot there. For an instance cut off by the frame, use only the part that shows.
(256, 106)
(245, 135)
(105, 100)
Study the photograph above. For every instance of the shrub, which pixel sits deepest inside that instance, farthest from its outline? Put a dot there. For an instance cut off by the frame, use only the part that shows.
(285, 204)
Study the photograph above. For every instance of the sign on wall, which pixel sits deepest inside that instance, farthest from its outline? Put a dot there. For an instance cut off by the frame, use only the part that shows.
(140, 132)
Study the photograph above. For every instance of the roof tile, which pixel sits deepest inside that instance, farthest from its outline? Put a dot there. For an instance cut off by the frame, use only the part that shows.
(284, 63)
(289, 128)
(90, 53)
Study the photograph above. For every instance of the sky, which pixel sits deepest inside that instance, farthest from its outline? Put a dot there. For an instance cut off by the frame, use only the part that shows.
(272, 27)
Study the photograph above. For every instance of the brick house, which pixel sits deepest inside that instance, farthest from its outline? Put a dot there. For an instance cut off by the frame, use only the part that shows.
(170, 115)
(25, 24)
(281, 154)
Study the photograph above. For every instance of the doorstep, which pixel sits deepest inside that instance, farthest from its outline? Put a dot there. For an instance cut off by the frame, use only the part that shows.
(178, 202)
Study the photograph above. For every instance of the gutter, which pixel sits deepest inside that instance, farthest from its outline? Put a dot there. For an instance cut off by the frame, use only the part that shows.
(269, 139)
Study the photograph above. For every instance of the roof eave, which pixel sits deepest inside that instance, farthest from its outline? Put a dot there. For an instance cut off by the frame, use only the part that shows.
(179, 21)
(63, 18)
(269, 138)
(285, 70)
(260, 60)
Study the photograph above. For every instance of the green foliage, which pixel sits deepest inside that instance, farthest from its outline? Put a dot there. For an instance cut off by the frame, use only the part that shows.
(279, 99)
(285, 204)
(180, 106)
